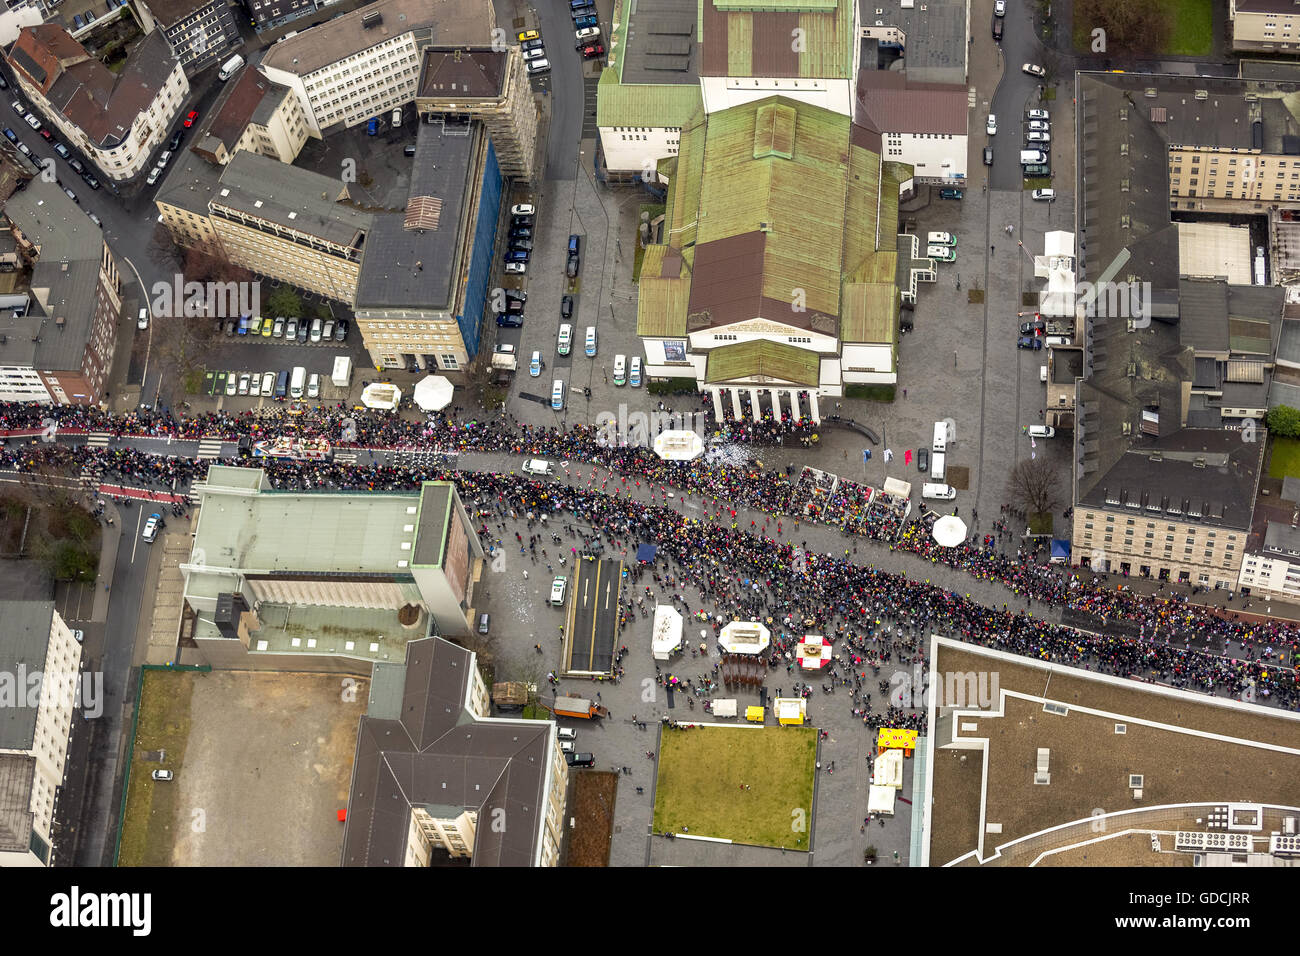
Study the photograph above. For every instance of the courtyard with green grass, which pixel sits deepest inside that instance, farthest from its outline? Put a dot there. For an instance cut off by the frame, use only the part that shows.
(1181, 27)
(1284, 458)
(746, 784)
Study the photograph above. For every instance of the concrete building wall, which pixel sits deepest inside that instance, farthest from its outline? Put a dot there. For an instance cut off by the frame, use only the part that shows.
(23, 384)
(283, 136)
(1211, 557)
(1269, 574)
(311, 269)
(721, 92)
(636, 150)
(937, 157)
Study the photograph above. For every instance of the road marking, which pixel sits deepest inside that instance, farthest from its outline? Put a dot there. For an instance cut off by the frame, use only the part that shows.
(138, 522)
(97, 440)
(209, 448)
(591, 646)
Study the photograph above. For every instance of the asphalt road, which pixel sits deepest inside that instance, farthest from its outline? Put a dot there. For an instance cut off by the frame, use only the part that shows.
(594, 591)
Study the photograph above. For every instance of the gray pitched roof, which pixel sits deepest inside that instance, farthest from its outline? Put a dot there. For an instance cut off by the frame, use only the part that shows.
(439, 756)
(24, 642)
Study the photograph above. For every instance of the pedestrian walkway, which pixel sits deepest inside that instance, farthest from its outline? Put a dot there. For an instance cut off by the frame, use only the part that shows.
(98, 439)
(209, 448)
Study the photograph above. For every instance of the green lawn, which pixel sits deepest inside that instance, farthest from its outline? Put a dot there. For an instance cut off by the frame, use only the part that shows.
(151, 805)
(701, 773)
(1191, 29)
(1284, 459)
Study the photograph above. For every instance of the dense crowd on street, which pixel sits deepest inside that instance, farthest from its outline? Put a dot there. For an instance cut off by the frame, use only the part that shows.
(741, 571)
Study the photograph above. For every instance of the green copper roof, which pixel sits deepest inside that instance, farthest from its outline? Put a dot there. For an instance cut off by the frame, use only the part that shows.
(763, 361)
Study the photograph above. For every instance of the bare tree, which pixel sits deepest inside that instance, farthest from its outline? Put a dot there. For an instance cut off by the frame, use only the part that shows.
(1035, 485)
(1135, 29)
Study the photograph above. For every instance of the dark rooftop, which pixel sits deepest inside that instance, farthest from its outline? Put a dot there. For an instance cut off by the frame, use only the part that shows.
(24, 643)
(660, 44)
(441, 757)
(936, 36)
(419, 268)
(447, 71)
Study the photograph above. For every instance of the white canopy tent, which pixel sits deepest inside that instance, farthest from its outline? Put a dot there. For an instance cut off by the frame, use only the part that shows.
(433, 392)
(889, 770)
(724, 707)
(679, 445)
(949, 531)
(744, 637)
(381, 395)
(898, 488)
(667, 635)
(881, 800)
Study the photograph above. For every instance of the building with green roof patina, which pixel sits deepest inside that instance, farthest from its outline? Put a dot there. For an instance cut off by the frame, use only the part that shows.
(776, 282)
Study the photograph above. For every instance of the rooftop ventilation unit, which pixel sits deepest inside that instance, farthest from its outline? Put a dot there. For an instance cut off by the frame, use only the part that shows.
(372, 19)
(1052, 707)
(1135, 780)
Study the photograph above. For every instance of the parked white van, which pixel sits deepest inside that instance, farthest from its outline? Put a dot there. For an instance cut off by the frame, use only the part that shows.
(230, 66)
(1042, 431)
(538, 466)
(620, 369)
(297, 381)
(937, 466)
(937, 492)
(941, 239)
(1054, 340)
(557, 590)
(940, 436)
(557, 395)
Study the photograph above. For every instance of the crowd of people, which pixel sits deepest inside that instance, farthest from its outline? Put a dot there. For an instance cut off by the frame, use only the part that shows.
(741, 572)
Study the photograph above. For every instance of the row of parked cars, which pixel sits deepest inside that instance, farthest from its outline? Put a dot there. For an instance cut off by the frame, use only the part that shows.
(76, 165)
(282, 384)
(289, 329)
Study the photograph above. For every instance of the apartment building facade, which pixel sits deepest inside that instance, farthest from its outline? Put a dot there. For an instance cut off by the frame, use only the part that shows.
(115, 120)
(1264, 25)
(490, 87)
(60, 350)
(274, 220)
(269, 14)
(43, 658)
(255, 114)
(365, 63)
(200, 33)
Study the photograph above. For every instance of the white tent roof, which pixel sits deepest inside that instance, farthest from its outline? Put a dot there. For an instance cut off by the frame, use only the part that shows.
(789, 708)
(724, 707)
(889, 770)
(381, 395)
(667, 635)
(897, 488)
(744, 637)
(433, 392)
(949, 531)
(881, 800)
(679, 445)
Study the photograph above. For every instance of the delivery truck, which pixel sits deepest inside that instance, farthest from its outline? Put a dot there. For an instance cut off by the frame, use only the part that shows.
(577, 707)
(342, 374)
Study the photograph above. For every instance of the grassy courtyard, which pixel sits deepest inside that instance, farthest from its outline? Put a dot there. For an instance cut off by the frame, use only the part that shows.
(1284, 458)
(151, 804)
(703, 773)
(1188, 29)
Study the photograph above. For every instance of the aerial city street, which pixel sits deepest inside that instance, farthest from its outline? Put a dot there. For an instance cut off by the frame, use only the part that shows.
(581, 433)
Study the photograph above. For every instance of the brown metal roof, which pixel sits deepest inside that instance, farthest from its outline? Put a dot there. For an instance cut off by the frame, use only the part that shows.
(423, 212)
(895, 106)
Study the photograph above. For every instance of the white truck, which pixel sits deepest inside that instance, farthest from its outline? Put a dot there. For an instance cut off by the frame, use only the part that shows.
(342, 374)
(230, 67)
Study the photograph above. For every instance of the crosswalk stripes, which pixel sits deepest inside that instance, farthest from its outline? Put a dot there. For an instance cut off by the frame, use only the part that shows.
(345, 457)
(97, 439)
(209, 448)
(89, 477)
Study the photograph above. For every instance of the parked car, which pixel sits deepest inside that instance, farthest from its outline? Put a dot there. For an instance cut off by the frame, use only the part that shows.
(519, 295)
(999, 8)
(571, 266)
(90, 180)
(1029, 342)
(535, 53)
(942, 253)
(70, 194)
(1042, 431)
(75, 165)
(564, 342)
(302, 331)
(175, 142)
(245, 382)
(535, 364)
(1033, 328)
(591, 51)
(521, 232)
(589, 20)
(327, 333)
(153, 175)
(517, 268)
(1038, 115)
(510, 320)
(521, 221)
(991, 125)
(162, 775)
(268, 384)
(587, 33)
(634, 372)
(62, 150)
(516, 255)
(1038, 169)
(231, 325)
(923, 460)
(313, 385)
(580, 760)
(988, 155)
(523, 209)
(372, 126)
(341, 331)
(278, 330)
(290, 329)
(1039, 126)
(142, 320)
(232, 383)
(31, 120)
(1038, 137)
(22, 148)
(164, 158)
(190, 117)
(950, 193)
(1034, 69)
(267, 327)
(11, 135)
(315, 330)
(526, 35)
(525, 245)
(620, 370)
(1047, 194)
(566, 307)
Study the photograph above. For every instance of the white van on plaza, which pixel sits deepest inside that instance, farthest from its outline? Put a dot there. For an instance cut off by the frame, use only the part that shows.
(538, 466)
(938, 492)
